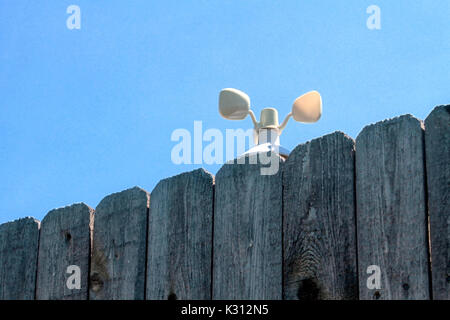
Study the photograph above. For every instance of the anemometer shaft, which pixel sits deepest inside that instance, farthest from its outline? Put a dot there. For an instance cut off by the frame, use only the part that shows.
(271, 136)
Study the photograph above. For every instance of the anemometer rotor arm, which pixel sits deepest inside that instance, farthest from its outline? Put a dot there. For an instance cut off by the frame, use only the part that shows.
(255, 122)
(235, 105)
(284, 123)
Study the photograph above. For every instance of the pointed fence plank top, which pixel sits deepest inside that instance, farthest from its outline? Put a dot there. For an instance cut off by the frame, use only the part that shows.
(391, 211)
(65, 241)
(247, 232)
(18, 259)
(319, 220)
(437, 138)
(180, 237)
(119, 246)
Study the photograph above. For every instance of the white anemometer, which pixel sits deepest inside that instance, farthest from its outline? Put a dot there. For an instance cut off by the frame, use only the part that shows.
(235, 105)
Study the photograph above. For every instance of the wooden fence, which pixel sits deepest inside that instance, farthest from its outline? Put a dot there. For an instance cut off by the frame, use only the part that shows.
(341, 219)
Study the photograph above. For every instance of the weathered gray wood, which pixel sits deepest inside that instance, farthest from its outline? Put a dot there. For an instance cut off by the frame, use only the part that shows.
(437, 146)
(19, 242)
(65, 240)
(319, 227)
(391, 212)
(119, 246)
(247, 233)
(180, 237)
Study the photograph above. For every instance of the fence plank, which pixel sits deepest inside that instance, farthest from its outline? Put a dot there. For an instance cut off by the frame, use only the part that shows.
(391, 213)
(437, 145)
(65, 240)
(180, 237)
(319, 227)
(247, 233)
(119, 246)
(19, 242)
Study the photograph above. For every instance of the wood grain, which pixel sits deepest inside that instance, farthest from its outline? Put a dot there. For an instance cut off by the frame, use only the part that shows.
(437, 145)
(319, 227)
(18, 259)
(247, 232)
(180, 237)
(119, 246)
(391, 212)
(65, 240)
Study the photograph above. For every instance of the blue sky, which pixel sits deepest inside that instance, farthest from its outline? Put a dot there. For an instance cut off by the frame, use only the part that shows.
(85, 113)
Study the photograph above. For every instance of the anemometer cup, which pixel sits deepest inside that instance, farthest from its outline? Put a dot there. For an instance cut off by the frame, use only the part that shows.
(307, 108)
(233, 104)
